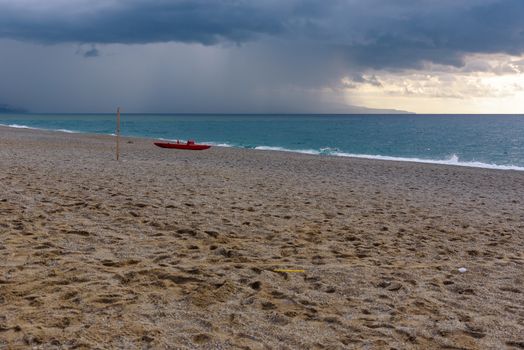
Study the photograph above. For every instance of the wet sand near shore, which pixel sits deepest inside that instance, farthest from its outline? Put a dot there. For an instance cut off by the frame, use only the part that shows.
(177, 249)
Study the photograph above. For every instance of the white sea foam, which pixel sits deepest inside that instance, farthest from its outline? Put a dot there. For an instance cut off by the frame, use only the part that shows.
(452, 160)
(281, 149)
(18, 126)
(67, 131)
(218, 144)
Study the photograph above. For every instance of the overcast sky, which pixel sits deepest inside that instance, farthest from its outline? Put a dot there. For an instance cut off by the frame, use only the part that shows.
(425, 56)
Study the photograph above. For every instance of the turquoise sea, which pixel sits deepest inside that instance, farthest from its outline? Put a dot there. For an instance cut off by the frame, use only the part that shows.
(489, 141)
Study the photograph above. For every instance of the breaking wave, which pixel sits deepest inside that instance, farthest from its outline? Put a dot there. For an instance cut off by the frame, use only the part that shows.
(18, 126)
(452, 160)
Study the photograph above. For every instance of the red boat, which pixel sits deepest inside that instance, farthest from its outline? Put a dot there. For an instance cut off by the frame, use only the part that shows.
(190, 145)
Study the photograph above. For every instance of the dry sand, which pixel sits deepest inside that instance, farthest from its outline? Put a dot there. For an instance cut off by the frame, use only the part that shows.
(176, 249)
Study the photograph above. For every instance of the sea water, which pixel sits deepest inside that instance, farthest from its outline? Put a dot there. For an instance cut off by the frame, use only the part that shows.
(489, 141)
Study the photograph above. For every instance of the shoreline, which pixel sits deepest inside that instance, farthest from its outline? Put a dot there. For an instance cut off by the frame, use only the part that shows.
(179, 249)
(452, 161)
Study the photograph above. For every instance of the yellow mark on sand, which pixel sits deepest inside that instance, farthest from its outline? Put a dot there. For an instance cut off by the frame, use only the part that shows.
(287, 270)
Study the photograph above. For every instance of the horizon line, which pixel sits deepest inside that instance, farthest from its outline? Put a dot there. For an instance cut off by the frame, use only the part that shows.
(122, 111)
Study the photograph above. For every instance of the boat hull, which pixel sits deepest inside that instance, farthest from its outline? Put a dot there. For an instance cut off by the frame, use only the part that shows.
(186, 146)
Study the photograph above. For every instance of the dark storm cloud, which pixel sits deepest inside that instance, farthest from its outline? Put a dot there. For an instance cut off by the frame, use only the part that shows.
(372, 33)
(441, 33)
(142, 21)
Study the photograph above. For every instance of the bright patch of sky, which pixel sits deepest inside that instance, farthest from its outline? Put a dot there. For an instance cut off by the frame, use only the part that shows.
(488, 84)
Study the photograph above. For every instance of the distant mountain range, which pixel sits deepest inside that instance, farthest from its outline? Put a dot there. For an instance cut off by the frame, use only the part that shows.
(366, 110)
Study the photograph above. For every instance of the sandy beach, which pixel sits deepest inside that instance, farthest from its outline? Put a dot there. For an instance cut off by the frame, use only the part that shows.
(178, 250)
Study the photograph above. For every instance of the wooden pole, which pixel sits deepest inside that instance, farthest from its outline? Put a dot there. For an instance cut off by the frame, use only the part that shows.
(118, 133)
